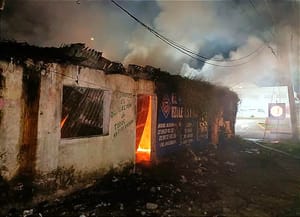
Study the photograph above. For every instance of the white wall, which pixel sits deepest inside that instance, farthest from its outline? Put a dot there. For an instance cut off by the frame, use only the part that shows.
(85, 155)
(88, 155)
(10, 127)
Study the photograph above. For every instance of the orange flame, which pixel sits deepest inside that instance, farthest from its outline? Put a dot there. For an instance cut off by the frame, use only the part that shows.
(63, 121)
(144, 148)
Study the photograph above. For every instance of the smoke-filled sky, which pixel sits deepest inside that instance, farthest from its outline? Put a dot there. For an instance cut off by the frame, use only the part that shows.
(222, 29)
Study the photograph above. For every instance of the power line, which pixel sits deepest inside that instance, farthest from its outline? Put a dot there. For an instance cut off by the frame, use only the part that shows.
(252, 4)
(259, 14)
(185, 50)
(272, 17)
(270, 12)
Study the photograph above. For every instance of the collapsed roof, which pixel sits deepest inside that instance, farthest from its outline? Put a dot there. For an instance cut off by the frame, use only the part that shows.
(197, 94)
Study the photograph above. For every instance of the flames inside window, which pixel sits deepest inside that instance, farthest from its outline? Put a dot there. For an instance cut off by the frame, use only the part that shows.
(82, 112)
(143, 130)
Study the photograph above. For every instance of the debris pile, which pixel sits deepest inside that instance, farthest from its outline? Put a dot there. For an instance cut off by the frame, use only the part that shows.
(227, 181)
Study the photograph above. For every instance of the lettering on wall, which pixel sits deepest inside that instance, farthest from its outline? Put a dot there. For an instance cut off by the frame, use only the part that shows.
(122, 112)
(171, 106)
(188, 134)
(167, 134)
(177, 125)
(120, 126)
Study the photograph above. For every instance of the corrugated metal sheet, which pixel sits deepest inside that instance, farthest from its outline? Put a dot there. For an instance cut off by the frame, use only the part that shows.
(82, 112)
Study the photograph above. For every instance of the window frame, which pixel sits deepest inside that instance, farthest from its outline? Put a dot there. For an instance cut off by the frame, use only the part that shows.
(106, 102)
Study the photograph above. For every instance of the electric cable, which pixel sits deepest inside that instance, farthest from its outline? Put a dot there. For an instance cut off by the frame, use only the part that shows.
(185, 50)
(259, 14)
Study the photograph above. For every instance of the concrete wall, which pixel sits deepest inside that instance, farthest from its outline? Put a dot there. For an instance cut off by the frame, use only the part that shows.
(84, 155)
(48, 136)
(98, 153)
(10, 118)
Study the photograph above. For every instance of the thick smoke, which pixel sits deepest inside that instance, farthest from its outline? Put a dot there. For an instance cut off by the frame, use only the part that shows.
(52, 23)
(231, 31)
(263, 63)
(215, 29)
(225, 30)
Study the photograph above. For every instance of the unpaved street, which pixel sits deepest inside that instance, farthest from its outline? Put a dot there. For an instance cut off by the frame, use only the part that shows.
(237, 179)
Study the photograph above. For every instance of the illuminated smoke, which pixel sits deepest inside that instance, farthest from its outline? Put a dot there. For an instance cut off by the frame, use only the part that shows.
(224, 29)
(262, 66)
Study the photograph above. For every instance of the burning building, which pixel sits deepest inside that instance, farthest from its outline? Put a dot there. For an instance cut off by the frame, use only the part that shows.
(71, 109)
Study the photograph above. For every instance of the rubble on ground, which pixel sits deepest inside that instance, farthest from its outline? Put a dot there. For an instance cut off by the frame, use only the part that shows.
(207, 182)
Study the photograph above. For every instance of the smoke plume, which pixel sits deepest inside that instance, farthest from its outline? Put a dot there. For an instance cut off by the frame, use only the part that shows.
(225, 30)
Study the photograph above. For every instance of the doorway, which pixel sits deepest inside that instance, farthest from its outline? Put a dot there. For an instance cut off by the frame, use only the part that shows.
(143, 128)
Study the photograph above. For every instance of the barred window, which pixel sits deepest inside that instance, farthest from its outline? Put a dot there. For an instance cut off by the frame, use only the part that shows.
(82, 112)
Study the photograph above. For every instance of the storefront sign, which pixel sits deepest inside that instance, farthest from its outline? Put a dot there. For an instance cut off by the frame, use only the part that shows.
(176, 126)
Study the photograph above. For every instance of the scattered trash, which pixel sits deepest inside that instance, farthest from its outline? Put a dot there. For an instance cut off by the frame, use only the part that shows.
(77, 207)
(202, 184)
(27, 212)
(153, 189)
(179, 191)
(229, 163)
(199, 171)
(183, 179)
(151, 206)
(115, 179)
(195, 157)
(19, 186)
(102, 204)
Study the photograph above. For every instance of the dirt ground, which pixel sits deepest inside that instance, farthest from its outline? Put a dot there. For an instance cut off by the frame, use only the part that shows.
(236, 179)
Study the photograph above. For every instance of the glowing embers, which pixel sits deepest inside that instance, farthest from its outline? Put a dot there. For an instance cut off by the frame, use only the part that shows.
(143, 152)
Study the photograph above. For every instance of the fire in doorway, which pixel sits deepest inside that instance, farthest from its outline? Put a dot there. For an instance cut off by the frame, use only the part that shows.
(143, 129)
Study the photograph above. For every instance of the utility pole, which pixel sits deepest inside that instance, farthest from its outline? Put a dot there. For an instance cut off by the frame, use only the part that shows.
(282, 40)
(284, 51)
(292, 60)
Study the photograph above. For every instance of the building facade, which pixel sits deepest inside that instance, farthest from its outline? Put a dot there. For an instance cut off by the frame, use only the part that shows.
(67, 114)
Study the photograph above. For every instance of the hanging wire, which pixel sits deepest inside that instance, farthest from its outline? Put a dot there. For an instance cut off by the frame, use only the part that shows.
(262, 17)
(185, 50)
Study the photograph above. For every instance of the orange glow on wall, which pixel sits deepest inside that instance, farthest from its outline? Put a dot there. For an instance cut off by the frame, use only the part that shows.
(143, 151)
